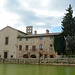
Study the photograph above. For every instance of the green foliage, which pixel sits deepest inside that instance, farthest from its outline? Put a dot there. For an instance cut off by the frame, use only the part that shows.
(70, 40)
(68, 24)
(59, 44)
(68, 27)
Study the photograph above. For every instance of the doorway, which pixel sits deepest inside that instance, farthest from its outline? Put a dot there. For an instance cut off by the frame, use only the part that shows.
(5, 54)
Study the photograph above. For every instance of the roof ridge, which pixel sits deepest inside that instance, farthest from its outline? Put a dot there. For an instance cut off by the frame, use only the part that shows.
(13, 28)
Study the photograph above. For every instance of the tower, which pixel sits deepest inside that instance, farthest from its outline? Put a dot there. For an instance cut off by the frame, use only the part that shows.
(29, 29)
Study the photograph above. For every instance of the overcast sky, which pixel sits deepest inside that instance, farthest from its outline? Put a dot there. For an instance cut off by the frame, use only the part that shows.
(41, 14)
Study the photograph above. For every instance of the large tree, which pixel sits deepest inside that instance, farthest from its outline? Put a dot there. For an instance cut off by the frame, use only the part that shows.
(68, 27)
(68, 22)
(59, 44)
(70, 43)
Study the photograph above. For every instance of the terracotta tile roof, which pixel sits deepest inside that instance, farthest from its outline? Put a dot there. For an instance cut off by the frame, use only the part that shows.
(39, 35)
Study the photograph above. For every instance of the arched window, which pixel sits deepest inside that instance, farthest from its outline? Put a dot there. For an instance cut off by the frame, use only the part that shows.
(33, 56)
(51, 56)
(25, 56)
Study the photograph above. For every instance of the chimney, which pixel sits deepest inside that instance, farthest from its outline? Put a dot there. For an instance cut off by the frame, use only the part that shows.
(47, 31)
(35, 32)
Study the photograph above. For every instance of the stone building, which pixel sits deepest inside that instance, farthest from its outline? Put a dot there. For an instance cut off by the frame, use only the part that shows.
(8, 42)
(17, 44)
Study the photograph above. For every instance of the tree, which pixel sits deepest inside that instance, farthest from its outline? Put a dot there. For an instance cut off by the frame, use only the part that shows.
(68, 27)
(59, 44)
(68, 22)
(70, 44)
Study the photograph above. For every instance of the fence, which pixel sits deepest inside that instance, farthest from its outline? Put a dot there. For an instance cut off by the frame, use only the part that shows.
(66, 56)
(39, 61)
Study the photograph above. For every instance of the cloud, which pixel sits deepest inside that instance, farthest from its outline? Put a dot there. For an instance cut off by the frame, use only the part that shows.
(1, 4)
(42, 14)
(41, 30)
(40, 24)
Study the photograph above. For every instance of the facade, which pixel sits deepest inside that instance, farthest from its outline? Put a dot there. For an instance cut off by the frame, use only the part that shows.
(8, 42)
(17, 44)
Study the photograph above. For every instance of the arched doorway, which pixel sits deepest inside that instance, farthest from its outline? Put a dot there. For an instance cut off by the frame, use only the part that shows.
(33, 56)
(51, 56)
(25, 56)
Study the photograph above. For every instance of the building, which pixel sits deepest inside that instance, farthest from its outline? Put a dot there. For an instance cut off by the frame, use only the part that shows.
(17, 44)
(8, 42)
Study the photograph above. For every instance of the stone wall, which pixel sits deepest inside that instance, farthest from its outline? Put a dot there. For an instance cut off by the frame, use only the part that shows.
(39, 61)
(47, 50)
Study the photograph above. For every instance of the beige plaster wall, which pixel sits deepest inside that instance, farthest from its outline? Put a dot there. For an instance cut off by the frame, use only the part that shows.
(12, 46)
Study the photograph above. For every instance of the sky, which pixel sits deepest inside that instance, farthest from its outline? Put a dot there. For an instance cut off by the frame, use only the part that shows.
(41, 14)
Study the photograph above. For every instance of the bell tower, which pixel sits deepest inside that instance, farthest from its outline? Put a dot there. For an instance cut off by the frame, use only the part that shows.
(29, 29)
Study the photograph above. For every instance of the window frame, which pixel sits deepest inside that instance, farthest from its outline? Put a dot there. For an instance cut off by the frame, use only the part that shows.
(26, 47)
(20, 47)
(41, 38)
(6, 40)
(33, 48)
(45, 56)
(41, 47)
(51, 46)
(20, 39)
(27, 39)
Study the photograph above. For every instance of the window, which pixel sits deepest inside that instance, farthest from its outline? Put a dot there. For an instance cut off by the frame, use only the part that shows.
(51, 46)
(5, 54)
(41, 38)
(20, 39)
(20, 47)
(51, 37)
(27, 39)
(41, 47)
(26, 47)
(0, 56)
(33, 48)
(51, 56)
(45, 56)
(6, 40)
(11, 56)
